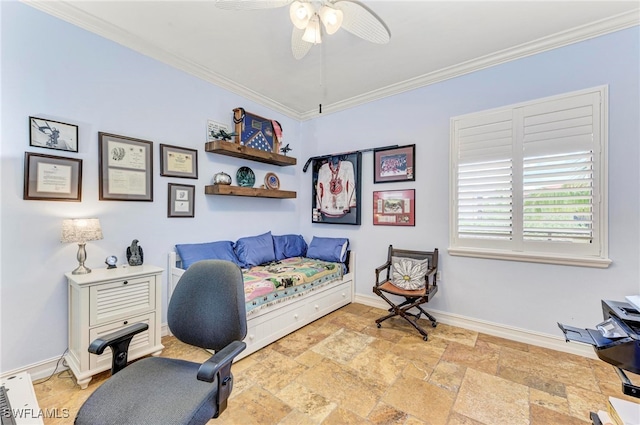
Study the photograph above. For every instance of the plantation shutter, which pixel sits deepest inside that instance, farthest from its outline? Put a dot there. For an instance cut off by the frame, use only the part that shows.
(528, 181)
(560, 144)
(484, 177)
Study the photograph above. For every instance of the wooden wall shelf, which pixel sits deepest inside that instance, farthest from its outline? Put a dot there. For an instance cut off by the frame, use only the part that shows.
(223, 147)
(256, 192)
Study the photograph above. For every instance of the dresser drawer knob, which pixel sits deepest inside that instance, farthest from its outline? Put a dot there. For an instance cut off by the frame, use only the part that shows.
(251, 336)
(295, 316)
(126, 322)
(317, 306)
(125, 282)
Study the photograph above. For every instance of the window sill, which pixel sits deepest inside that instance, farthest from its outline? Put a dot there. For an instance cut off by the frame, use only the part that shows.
(601, 263)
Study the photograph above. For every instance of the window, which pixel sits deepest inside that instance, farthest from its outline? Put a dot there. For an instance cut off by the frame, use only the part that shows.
(528, 181)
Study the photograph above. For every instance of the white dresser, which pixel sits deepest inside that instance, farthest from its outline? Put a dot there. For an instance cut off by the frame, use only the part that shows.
(105, 301)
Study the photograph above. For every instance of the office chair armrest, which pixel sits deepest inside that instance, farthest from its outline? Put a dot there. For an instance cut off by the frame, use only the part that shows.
(118, 341)
(211, 367)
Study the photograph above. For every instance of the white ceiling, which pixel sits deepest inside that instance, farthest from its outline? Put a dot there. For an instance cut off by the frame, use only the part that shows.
(249, 52)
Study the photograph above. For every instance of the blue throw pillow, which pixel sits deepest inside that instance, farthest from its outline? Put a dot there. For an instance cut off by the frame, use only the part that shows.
(287, 246)
(328, 249)
(221, 250)
(255, 250)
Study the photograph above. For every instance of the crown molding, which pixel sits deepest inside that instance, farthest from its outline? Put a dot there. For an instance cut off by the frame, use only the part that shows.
(554, 41)
(75, 16)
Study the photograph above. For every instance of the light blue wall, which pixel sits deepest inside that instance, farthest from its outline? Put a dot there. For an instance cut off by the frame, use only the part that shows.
(528, 296)
(53, 69)
(50, 68)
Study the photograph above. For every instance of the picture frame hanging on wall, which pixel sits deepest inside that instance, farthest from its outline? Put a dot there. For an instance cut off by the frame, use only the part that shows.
(178, 162)
(52, 178)
(336, 189)
(126, 168)
(394, 164)
(394, 207)
(49, 134)
(181, 200)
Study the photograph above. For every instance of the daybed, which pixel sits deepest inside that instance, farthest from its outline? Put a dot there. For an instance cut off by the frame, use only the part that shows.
(287, 283)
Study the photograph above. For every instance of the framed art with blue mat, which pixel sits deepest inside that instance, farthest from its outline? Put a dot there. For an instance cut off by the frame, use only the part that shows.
(336, 189)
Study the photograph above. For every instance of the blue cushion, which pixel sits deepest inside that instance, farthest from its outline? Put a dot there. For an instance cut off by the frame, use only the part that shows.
(287, 246)
(255, 250)
(192, 252)
(328, 249)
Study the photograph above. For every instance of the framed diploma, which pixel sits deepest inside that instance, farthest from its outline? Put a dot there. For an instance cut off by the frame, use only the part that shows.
(178, 162)
(181, 200)
(394, 207)
(52, 178)
(126, 168)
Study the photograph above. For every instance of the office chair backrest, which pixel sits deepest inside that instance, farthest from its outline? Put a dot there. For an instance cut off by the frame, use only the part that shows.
(207, 307)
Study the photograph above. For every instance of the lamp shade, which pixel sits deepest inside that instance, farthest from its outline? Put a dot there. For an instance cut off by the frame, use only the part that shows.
(331, 18)
(81, 230)
(312, 33)
(300, 13)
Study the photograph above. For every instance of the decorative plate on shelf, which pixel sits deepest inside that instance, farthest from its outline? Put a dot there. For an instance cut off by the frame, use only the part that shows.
(271, 181)
(245, 177)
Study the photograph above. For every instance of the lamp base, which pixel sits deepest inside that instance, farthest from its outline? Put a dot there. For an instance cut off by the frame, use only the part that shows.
(81, 270)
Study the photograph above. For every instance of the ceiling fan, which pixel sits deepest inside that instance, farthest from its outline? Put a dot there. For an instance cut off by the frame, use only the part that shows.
(307, 15)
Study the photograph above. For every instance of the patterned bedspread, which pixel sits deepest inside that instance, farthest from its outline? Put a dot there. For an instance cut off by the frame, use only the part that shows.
(268, 284)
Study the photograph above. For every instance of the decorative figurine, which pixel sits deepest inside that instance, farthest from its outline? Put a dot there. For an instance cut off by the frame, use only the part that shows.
(286, 149)
(222, 135)
(111, 261)
(134, 254)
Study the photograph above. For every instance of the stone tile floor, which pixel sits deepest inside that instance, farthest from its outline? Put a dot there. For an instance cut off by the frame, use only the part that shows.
(342, 369)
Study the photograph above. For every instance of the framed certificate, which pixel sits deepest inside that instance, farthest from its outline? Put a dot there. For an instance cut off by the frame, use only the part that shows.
(126, 168)
(52, 178)
(181, 200)
(178, 162)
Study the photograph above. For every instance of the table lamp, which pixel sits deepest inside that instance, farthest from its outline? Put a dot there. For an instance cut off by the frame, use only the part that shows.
(81, 230)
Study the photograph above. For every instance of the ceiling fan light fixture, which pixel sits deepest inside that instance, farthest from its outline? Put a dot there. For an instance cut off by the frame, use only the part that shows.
(331, 18)
(312, 33)
(300, 14)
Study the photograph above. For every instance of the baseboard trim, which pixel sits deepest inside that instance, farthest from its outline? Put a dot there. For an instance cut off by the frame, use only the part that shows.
(45, 368)
(552, 342)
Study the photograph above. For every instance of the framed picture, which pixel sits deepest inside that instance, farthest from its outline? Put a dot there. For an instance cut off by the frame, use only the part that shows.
(181, 200)
(394, 207)
(178, 162)
(45, 133)
(126, 168)
(394, 164)
(52, 178)
(336, 189)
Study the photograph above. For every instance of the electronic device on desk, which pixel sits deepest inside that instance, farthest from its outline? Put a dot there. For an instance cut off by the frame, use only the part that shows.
(615, 341)
(18, 403)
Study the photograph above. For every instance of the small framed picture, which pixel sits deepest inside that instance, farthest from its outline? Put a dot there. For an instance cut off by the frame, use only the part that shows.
(178, 162)
(49, 134)
(394, 207)
(394, 164)
(181, 200)
(52, 178)
(126, 168)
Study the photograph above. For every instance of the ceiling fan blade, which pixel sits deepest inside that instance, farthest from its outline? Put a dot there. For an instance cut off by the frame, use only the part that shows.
(299, 47)
(251, 4)
(362, 22)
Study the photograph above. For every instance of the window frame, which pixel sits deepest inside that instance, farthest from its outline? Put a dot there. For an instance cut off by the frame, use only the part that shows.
(516, 248)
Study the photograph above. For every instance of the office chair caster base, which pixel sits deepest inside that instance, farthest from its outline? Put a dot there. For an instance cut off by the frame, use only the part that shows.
(434, 324)
(426, 338)
(378, 325)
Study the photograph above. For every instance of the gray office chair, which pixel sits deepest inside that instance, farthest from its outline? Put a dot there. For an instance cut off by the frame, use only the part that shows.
(207, 309)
